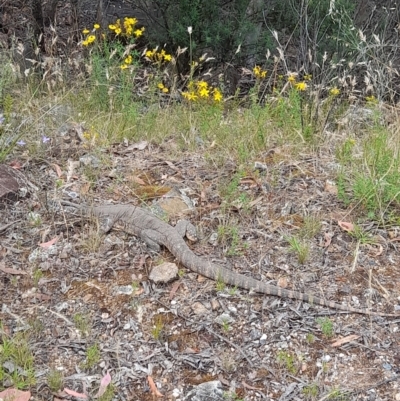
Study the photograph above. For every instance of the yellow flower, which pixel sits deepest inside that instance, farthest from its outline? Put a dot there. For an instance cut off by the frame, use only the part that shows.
(96, 26)
(259, 72)
(85, 43)
(167, 57)
(189, 95)
(128, 21)
(123, 66)
(91, 39)
(301, 86)
(128, 60)
(307, 77)
(149, 53)
(204, 92)
(129, 30)
(112, 27)
(162, 87)
(370, 99)
(138, 32)
(334, 91)
(85, 31)
(202, 85)
(292, 78)
(118, 30)
(217, 95)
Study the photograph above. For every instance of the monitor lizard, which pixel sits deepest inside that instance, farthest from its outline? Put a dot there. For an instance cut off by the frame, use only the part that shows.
(155, 232)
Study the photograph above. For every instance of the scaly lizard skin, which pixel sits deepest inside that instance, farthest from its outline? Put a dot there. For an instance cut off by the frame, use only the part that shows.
(141, 223)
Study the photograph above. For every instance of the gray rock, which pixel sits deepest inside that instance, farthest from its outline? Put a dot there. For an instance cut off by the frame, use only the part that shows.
(164, 273)
(209, 391)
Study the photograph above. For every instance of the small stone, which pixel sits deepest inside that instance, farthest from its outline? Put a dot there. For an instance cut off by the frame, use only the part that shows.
(213, 238)
(260, 166)
(206, 391)
(397, 397)
(199, 309)
(9, 183)
(164, 273)
(224, 318)
(215, 305)
(123, 290)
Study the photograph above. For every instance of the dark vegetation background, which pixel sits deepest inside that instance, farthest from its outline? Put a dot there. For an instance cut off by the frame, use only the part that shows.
(237, 33)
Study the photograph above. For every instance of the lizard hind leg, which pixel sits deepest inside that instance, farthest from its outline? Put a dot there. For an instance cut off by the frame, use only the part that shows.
(152, 239)
(186, 229)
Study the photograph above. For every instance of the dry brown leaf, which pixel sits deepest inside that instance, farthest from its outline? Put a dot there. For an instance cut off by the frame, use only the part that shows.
(282, 282)
(48, 244)
(349, 227)
(74, 393)
(16, 165)
(137, 180)
(9, 270)
(248, 387)
(330, 187)
(153, 387)
(345, 340)
(328, 239)
(13, 394)
(58, 169)
(139, 145)
(174, 289)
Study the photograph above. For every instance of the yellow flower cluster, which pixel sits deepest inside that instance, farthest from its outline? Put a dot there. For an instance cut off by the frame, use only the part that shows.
(89, 39)
(158, 56)
(162, 88)
(127, 61)
(334, 91)
(201, 90)
(259, 72)
(126, 27)
(301, 86)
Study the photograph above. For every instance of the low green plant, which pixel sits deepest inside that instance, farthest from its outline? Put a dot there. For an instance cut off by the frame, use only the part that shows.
(344, 153)
(109, 394)
(361, 235)
(373, 181)
(310, 228)
(158, 327)
(82, 323)
(288, 360)
(135, 286)
(36, 326)
(231, 396)
(92, 356)
(326, 326)
(219, 284)
(229, 235)
(55, 380)
(310, 338)
(225, 326)
(337, 394)
(232, 290)
(300, 247)
(37, 275)
(34, 219)
(310, 391)
(16, 361)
